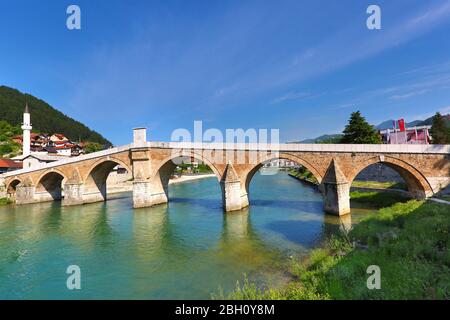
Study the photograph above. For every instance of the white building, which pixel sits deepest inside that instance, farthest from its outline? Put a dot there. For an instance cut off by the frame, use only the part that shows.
(29, 159)
(26, 127)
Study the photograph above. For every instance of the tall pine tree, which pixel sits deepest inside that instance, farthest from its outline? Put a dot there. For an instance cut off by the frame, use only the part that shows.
(359, 131)
(440, 133)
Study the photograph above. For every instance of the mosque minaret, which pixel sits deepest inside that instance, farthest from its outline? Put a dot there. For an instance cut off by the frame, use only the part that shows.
(26, 127)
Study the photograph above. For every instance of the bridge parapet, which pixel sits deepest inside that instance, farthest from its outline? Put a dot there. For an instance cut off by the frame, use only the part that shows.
(288, 147)
(425, 169)
(62, 162)
(333, 148)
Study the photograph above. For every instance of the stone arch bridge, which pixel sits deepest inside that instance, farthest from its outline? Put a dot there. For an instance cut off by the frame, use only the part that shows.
(425, 169)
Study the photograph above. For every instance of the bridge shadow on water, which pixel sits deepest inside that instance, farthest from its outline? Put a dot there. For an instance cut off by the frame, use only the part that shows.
(304, 232)
(306, 225)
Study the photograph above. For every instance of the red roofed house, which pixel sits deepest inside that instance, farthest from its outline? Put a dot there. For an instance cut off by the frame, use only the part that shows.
(7, 165)
(57, 137)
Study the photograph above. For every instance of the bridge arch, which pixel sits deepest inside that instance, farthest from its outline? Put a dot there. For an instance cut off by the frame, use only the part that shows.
(287, 156)
(168, 163)
(50, 186)
(418, 185)
(11, 188)
(95, 180)
(162, 173)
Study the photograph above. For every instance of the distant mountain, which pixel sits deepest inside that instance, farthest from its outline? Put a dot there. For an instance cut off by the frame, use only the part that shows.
(427, 122)
(326, 138)
(389, 124)
(44, 117)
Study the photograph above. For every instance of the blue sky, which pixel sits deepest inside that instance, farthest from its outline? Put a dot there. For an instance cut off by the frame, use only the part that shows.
(298, 66)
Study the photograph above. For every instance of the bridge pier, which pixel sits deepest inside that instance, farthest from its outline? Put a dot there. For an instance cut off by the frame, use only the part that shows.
(142, 194)
(336, 191)
(25, 192)
(73, 194)
(233, 197)
(3, 191)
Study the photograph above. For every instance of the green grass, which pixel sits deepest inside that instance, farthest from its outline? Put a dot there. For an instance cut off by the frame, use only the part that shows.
(380, 185)
(409, 241)
(304, 175)
(377, 199)
(4, 201)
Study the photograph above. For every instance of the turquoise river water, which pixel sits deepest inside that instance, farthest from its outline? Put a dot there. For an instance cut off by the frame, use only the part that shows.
(187, 249)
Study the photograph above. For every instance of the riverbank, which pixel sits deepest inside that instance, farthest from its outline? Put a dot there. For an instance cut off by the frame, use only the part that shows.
(408, 239)
(186, 178)
(127, 186)
(357, 185)
(304, 176)
(4, 201)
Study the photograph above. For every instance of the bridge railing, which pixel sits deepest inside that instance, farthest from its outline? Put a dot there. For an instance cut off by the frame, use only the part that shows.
(291, 147)
(63, 161)
(286, 147)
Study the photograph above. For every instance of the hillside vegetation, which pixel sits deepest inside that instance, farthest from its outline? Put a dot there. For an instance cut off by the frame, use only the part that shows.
(44, 117)
(9, 148)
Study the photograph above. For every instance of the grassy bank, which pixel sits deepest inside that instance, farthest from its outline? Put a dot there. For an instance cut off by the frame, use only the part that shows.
(376, 199)
(304, 175)
(409, 240)
(4, 201)
(380, 185)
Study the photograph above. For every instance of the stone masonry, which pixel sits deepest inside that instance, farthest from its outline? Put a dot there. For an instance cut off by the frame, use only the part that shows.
(81, 180)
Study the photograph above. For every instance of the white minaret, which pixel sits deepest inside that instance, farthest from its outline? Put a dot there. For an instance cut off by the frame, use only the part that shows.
(26, 127)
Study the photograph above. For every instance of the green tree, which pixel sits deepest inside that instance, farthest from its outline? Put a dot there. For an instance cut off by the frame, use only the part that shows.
(440, 133)
(92, 147)
(359, 131)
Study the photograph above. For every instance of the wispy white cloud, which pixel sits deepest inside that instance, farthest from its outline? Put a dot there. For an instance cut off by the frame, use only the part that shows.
(223, 91)
(341, 49)
(428, 69)
(409, 94)
(292, 96)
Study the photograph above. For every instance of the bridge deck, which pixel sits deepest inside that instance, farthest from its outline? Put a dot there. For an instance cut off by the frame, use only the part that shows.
(335, 148)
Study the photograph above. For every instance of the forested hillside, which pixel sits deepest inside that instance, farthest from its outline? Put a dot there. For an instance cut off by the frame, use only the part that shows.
(44, 117)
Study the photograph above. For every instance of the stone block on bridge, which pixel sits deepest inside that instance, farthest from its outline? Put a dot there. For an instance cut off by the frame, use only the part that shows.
(336, 191)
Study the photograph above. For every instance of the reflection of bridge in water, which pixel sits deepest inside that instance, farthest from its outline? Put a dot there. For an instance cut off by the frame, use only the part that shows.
(425, 169)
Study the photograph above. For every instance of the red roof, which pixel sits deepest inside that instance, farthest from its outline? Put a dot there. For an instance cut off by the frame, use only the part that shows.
(7, 163)
(60, 136)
